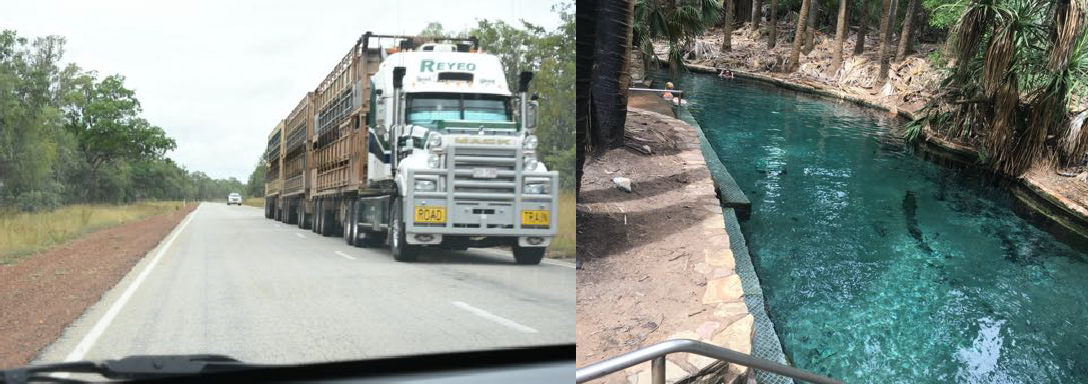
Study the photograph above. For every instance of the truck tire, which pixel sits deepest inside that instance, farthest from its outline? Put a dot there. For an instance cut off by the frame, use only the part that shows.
(528, 255)
(349, 225)
(327, 223)
(402, 251)
(292, 212)
(302, 214)
(318, 206)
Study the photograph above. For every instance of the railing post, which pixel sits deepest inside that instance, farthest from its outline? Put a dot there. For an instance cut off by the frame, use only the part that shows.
(657, 370)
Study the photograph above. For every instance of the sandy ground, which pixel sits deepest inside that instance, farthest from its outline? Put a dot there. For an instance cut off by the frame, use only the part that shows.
(42, 294)
(646, 278)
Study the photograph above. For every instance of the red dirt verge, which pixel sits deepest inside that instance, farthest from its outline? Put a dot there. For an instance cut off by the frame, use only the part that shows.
(43, 293)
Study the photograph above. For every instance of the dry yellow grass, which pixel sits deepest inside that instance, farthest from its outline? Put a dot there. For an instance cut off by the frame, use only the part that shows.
(564, 244)
(254, 202)
(23, 234)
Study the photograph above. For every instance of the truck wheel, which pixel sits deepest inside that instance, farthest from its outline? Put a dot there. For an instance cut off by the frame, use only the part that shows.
(402, 251)
(327, 222)
(349, 227)
(528, 255)
(318, 206)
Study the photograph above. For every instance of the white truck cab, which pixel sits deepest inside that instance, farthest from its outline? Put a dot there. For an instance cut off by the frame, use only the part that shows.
(461, 151)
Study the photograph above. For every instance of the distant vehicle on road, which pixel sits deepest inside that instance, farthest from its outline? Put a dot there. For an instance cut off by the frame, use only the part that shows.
(415, 142)
(234, 198)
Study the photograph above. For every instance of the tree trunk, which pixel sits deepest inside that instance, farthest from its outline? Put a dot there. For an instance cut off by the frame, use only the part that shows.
(810, 31)
(772, 20)
(585, 32)
(727, 29)
(863, 27)
(840, 36)
(611, 73)
(887, 18)
(757, 16)
(798, 37)
(907, 34)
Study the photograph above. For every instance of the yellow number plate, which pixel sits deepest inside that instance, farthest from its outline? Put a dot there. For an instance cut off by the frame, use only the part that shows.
(430, 214)
(535, 217)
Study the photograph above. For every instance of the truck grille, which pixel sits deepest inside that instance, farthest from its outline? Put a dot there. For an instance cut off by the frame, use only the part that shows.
(499, 159)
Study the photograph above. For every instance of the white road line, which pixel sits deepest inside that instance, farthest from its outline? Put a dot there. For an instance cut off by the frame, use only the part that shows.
(349, 257)
(300, 235)
(88, 340)
(493, 317)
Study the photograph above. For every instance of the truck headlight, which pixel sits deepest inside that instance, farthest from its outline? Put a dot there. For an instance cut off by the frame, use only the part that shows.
(434, 140)
(425, 186)
(434, 161)
(536, 189)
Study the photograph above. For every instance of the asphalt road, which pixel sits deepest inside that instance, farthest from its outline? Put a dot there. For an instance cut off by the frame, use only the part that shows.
(228, 281)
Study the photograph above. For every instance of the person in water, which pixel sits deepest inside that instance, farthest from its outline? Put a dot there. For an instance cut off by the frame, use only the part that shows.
(667, 95)
(726, 74)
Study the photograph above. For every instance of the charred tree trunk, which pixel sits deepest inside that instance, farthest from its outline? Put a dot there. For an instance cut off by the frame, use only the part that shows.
(840, 36)
(727, 29)
(798, 37)
(907, 34)
(585, 31)
(863, 26)
(772, 21)
(611, 73)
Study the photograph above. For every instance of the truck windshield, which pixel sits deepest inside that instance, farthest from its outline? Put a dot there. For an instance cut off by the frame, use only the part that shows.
(425, 108)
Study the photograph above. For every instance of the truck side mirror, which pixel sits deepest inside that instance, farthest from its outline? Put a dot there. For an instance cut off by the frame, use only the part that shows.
(531, 119)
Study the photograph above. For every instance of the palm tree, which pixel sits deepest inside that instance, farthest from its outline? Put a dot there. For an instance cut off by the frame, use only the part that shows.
(887, 19)
(676, 21)
(727, 29)
(1018, 62)
(756, 17)
(840, 36)
(907, 34)
(863, 27)
(604, 30)
(772, 34)
(798, 37)
(810, 30)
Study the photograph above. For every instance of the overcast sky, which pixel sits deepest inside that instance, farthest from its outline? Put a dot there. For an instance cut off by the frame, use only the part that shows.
(219, 75)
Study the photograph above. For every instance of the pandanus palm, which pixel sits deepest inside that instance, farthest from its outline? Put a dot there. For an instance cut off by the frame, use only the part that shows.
(1018, 62)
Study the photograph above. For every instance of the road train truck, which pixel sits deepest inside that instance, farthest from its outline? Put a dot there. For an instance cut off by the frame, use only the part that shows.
(414, 142)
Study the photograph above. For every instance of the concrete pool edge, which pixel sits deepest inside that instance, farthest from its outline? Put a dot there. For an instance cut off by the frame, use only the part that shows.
(765, 341)
(1054, 206)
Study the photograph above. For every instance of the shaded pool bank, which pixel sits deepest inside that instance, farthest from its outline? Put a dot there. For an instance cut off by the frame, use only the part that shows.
(879, 266)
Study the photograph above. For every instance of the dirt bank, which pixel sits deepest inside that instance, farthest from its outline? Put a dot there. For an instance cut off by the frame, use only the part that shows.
(42, 294)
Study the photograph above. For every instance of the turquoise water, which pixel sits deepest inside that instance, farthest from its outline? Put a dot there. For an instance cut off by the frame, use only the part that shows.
(882, 267)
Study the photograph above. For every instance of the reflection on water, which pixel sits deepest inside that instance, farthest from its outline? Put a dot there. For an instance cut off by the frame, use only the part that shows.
(881, 267)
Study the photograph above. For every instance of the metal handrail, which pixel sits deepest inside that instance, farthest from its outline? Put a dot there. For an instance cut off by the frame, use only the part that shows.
(679, 93)
(656, 353)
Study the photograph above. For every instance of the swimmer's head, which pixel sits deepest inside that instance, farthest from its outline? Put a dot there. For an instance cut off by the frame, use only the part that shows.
(668, 85)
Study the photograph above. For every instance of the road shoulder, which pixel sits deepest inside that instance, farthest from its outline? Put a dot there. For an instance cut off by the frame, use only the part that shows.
(45, 293)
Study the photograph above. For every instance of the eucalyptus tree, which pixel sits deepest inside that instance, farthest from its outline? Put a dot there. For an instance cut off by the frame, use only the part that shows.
(840, 37)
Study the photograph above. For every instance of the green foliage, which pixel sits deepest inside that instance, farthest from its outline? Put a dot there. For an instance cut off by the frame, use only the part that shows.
(944, 13)
(433, 28)
(1014, 82)
(67, 136)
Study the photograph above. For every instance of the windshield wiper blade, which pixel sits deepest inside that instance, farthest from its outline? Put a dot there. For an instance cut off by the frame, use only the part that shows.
(128, 368)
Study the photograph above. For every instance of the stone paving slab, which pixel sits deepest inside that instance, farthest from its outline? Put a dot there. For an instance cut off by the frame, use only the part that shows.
(730, 326)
